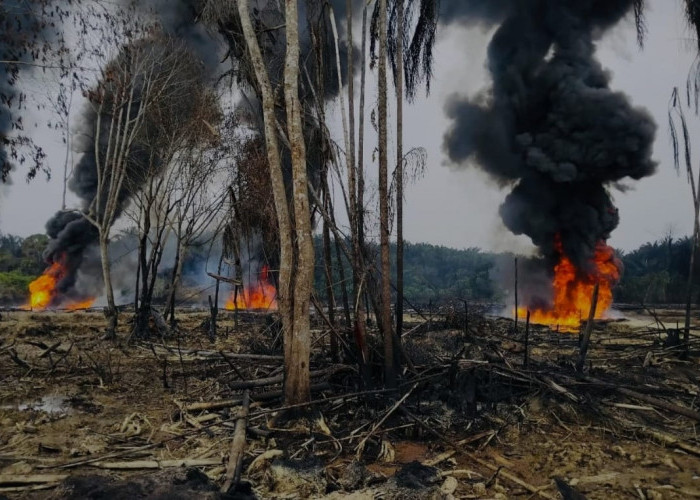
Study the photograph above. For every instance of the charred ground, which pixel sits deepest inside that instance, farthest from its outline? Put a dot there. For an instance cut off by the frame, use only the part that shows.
(84, 419)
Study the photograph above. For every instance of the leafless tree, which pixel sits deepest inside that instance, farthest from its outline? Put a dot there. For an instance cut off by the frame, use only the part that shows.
(134, 106)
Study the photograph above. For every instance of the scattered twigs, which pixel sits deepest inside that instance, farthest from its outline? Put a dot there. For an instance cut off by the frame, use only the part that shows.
(320, 401)
(264, 396)
(249, 384)
(360, 447)
(233, 470)
(659, 403)
(216, 354)
(668, 440)
(503, 473)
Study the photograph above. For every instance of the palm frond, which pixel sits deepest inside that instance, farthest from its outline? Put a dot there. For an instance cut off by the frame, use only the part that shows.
(640, 21)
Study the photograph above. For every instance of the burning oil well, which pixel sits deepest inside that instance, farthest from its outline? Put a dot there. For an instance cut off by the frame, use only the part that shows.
(552, 130)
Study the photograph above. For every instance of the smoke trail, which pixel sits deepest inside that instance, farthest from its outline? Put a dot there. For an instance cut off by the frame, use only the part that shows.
(550, 125)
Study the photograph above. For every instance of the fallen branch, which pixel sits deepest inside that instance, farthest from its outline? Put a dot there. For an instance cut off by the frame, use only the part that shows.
(249, 384)
(15, 479)
(226, 279)
(212, 354)
(658, 403)
(158, 464)
(235, 460)
(263, 396)
(669, 440)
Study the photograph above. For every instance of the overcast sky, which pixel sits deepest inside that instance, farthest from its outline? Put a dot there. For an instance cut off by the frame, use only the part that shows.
(456, 205)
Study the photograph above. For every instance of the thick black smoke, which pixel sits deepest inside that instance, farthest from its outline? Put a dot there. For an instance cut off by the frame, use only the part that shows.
(550, 125)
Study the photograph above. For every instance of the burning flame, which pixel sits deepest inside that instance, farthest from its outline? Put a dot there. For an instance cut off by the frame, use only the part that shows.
(43, 289)
(573, 289)
(261, 295)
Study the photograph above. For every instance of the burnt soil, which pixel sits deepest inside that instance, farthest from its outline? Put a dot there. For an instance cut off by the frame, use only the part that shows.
(82, 417)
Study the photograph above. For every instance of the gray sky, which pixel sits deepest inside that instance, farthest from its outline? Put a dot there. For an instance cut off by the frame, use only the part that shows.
(456, 205)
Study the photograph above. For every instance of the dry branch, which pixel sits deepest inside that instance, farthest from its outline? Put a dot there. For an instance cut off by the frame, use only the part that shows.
(263, 396)
(16, 479)
(248, 384)
(158, 464)
(225, 279)
(233, 471)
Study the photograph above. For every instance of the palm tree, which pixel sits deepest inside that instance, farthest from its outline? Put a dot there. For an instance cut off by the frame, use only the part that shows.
(411, 60)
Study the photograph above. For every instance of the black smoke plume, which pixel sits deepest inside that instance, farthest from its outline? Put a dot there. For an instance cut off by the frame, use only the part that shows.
(550, 125)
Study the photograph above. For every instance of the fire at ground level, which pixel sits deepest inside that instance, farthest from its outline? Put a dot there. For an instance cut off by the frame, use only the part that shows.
(570, 302)
(477, 423)
(44, 294)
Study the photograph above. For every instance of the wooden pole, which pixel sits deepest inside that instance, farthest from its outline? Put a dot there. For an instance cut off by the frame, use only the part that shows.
(235, 459)
(587, 332)
(466, 319)
(516, 295)
(527, 339)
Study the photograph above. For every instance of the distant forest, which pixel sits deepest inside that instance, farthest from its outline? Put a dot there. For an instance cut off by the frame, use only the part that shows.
(653, 273)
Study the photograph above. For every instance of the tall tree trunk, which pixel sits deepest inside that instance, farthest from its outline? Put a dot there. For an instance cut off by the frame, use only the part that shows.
(214, 307)
(174, 281)
(284, 223)
(143, 309)
(111, 312)
(387, 330)
(399, 176)
(359, 243)
(689, 287)
(328, 268)
(297, 343)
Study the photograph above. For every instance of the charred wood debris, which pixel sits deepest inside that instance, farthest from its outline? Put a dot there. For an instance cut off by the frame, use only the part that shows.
(471, 378)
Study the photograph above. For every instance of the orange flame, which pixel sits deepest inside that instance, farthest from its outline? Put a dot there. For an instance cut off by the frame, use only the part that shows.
(573, 289)
(261, 295)
(43, 289)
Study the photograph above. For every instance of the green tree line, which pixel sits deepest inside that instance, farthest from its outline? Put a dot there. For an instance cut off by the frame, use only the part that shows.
(656, 272)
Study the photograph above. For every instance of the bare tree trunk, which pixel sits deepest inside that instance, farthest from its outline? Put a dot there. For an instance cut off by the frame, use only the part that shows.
(389, 372)
(343, 280)
(174, 281)
(297, 343)
(399, 177)
(689, 287)
(111, 312)
(358, 245)
(585, 341)
(214, 307)
(285, 296)
(328, 267)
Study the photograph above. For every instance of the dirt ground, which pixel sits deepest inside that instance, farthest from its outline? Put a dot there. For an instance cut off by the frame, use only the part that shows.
(81, 417)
